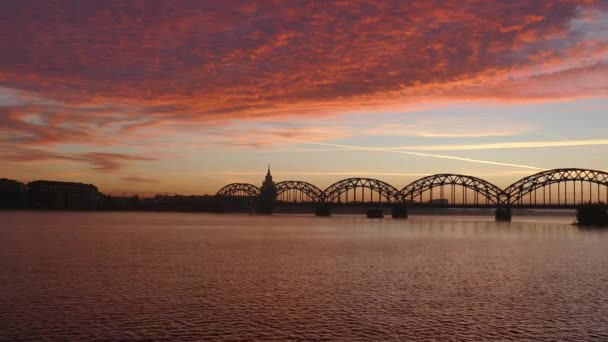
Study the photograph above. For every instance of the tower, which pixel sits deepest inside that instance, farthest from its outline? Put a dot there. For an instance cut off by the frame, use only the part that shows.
(268, 180)
(268, 195)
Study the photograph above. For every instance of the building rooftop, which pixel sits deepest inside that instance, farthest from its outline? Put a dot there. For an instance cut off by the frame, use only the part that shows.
(9, 180)
(60, 183)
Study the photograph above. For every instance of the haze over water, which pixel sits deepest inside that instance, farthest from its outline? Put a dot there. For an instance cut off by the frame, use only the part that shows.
(84, 276)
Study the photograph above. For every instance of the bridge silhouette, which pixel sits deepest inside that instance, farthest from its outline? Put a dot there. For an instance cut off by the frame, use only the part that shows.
(557, 188)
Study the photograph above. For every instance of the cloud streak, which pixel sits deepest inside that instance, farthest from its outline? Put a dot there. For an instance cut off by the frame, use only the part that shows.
(503, 145)
(97, 161)
(420, 154)
(135, 179)
(451, 127)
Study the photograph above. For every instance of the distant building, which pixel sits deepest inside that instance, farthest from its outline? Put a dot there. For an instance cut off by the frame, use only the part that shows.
(182, 203)
(439, 201)
(12, 194)
(120, 203)
(268, 195)
(44, 194)
(177, 199)
(268, 189)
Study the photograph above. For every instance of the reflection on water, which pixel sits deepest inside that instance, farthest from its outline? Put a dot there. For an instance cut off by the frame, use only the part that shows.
(196, 276)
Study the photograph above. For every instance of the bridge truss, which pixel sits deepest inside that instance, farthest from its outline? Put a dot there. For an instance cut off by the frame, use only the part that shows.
(462, 190)
(298, 192)
(559, 187)
(239, 190)
(378, 191)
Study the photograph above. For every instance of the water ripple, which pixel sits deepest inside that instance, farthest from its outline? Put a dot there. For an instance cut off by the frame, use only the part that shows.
(241, 278)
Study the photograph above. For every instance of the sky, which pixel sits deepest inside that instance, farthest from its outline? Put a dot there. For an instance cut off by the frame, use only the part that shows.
(150, 96)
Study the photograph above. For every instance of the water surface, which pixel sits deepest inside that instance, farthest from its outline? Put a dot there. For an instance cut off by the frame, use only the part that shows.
(81, 276)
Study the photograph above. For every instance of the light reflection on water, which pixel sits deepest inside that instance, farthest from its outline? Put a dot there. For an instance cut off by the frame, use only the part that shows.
(197, 276)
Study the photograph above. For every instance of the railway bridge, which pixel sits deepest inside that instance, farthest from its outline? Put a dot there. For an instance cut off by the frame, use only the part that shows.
(551, 189)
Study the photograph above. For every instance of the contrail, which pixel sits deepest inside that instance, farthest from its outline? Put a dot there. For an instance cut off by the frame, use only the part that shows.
(328, 173)
(506, 145)
(467, 159)
(440, 156)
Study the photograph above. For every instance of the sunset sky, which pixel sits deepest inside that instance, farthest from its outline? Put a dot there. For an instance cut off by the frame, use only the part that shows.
(185, 96)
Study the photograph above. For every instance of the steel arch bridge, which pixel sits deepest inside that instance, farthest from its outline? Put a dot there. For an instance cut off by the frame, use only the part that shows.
(239, 190)
(492, 194)
(385, 192)
(298, 191)
(529, 186)
(560, 188)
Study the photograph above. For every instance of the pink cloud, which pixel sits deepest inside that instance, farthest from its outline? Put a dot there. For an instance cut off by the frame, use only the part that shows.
(226, 59)
(135, 179)
(105, 162)
(114, 73)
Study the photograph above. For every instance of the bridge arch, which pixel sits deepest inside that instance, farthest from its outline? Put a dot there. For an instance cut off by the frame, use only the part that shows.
(545, 180)
(483, 191)
(340, 191)
(239, 190)
(298, 191)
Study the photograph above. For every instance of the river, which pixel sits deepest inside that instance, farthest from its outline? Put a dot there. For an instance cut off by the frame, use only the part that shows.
(98, 276)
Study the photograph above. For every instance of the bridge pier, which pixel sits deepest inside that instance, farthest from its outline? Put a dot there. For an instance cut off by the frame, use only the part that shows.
(375, 213)
(399, 212)
(323, 210)
(503, 214)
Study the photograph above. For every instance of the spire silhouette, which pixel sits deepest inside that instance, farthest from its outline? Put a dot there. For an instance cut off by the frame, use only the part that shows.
(268, 195)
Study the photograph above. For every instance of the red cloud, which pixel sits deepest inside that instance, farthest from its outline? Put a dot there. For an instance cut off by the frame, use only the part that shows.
(267, 51)
(98, 68)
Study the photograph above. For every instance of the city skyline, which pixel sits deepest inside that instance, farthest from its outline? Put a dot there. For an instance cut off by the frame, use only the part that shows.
(185, 98)
(550, 189)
